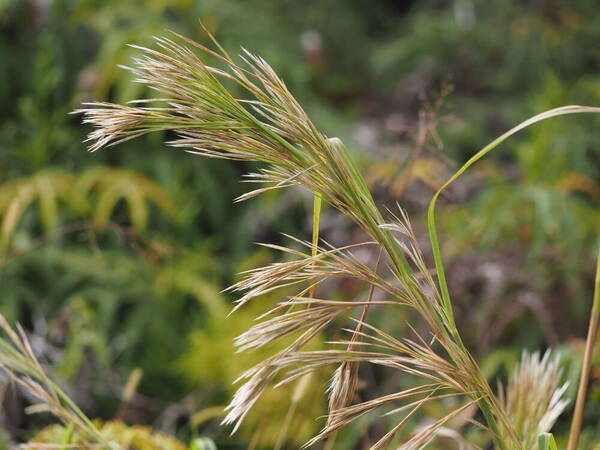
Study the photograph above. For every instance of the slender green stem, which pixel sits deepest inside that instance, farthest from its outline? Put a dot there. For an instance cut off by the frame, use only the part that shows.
(491, 421)
(317, 201)
(301, 384)
(316, 222)
(587, 363)
(564, 110)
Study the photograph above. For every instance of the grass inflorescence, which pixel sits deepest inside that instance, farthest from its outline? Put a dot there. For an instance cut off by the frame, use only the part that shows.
(265, 123)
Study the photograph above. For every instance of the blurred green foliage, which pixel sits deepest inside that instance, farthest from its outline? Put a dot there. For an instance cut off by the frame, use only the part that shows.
(117, 259)
(138, 437)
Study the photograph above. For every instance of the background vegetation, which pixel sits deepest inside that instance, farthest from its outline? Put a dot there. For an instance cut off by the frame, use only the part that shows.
(114, 261)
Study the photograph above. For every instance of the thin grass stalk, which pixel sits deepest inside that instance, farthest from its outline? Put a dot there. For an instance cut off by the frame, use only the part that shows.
(302, 383)
(587, 363)
(351, 368)
(299, 391)
(564, 110)
(317, 200)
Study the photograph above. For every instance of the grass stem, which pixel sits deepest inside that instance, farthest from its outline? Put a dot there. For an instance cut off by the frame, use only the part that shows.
(587, 363)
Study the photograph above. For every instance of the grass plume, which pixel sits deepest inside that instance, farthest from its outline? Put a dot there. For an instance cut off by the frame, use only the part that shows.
(18, 359)
(533, 397)
(266, 124)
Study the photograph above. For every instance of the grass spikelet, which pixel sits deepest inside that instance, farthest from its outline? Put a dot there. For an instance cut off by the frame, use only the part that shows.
(17, 358)
(533, 398)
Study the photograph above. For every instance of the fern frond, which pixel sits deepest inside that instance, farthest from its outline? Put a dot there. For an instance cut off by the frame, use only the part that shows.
(48, 188)
(107, 186)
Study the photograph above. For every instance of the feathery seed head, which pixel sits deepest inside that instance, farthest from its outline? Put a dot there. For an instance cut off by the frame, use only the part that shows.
(533, 398)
